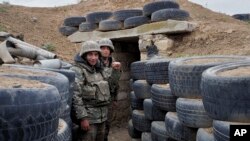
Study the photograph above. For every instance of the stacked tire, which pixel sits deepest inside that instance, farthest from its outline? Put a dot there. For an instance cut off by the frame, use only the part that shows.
(94, 20)
(225, 95)
(58, 80)
(150, 86)
(71, 25)
(164, 10)
(24, 109)
(141, 91)
(185, 75)
(156, 71)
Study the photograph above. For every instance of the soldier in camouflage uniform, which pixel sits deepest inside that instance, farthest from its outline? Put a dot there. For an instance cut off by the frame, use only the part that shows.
(112, 71)
(91, 93)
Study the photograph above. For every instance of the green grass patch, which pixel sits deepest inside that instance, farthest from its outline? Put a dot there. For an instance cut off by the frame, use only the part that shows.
(186, 55)
(3, 10)
(49, 47)
(2, 28)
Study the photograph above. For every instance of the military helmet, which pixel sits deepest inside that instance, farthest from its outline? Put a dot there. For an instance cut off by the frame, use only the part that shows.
(89, 46)
(107, 42)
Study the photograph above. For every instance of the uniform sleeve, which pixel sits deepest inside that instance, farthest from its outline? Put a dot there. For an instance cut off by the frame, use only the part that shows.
(114, 83)
(78, 104)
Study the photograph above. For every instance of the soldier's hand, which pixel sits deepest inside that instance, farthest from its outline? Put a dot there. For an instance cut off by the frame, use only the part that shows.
(116, 65)
(85, 125)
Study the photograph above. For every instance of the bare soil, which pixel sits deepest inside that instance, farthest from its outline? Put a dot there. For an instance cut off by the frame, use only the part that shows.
(11, 82)
(207, 61)
(7, 69)
(240, 71)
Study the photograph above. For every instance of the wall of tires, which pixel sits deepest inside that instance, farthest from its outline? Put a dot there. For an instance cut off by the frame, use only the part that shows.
(35, 103)
(124, 19)
(189, 99)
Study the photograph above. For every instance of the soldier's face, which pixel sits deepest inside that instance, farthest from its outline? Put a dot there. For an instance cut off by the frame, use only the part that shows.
(92, 57)
(105, 51)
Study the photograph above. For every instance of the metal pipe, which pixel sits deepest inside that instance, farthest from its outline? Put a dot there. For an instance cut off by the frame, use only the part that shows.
(26, 46)
(4, 54)
(51, 63)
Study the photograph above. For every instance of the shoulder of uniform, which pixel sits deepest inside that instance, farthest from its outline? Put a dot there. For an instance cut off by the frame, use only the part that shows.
(76, 68)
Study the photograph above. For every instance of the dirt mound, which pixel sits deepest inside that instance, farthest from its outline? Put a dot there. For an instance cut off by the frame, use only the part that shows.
(216, 33)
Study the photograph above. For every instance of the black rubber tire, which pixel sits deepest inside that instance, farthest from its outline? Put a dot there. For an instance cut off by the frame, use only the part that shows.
(156, 71)
(133, 133)
(66, 65)
(243, 17)
(136, 104)
(96, 17)
(64, 131)
(222, 129)
(163, 98)
(159, 132)
(142, 89)
(87, 27)
(152, 112)
(176, 130)
(185, 78)
(28, 113)
(191, 113)
(67, 30)
(131, 81)
(68, 73)
(74, 21)
(138, 70)
(146, 136)
(135, 21)
(122, 15)
(169, 14)
(150, 8)
(56, 79)
(140, 122)
(205, 134)
(226, 97)
(110, 25)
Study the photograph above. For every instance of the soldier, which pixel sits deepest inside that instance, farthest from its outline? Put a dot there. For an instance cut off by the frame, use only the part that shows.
(91, 93)
(112, 71)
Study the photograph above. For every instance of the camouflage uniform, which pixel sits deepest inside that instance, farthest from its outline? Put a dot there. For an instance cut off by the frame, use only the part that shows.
(91, 98)
(114, 76)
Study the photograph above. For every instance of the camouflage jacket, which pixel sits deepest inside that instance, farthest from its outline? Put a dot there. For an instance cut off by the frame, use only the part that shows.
(113, 78)
(91, 93)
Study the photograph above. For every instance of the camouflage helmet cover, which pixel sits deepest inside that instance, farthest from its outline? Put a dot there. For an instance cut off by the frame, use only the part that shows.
(89, 46)
(106, 42)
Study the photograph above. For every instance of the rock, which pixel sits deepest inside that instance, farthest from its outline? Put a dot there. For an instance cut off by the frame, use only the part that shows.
(143, 56)
(169, 53)
(229, 31)
(34, 19)
(144, 41)
(165, 44)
